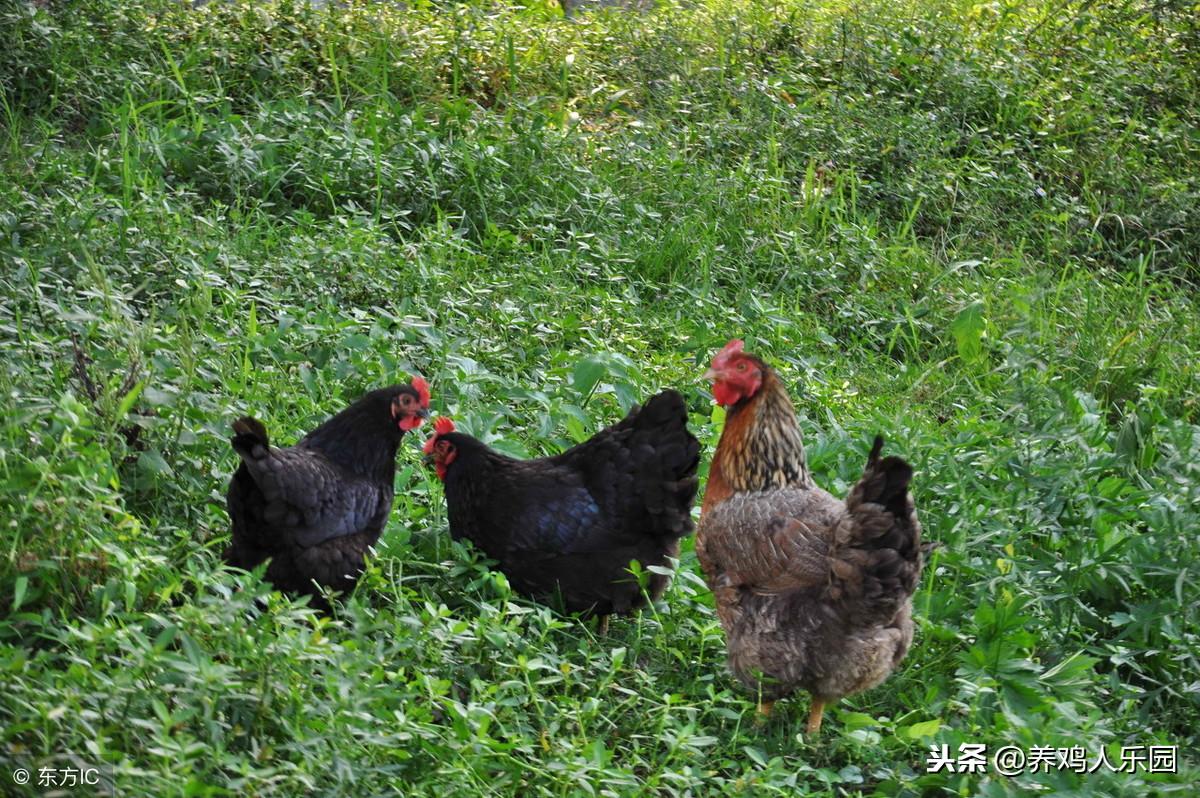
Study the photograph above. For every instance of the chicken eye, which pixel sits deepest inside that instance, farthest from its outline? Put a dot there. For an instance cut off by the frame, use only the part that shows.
(741, 366)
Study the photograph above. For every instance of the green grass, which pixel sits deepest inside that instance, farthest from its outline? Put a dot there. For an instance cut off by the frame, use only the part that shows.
(972, 228)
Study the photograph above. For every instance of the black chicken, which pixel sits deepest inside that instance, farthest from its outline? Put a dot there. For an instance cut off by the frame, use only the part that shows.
(315, 508)
(567, 528)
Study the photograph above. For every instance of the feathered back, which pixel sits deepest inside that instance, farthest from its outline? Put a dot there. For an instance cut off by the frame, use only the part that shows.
(364, 437)
(650, 456)
(571, 524)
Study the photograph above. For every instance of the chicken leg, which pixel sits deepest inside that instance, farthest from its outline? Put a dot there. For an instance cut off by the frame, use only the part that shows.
(814, 716)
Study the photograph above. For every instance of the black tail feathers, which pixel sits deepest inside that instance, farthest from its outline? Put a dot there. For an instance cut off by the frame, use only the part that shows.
(876, 448)
(886, 480)
(663, 407)
(667, 456)
(248, 434)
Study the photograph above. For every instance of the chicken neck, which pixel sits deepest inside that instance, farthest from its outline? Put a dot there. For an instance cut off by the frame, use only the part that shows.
(357, 441)
(761, 446)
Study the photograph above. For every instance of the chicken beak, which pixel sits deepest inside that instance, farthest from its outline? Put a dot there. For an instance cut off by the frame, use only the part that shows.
(427, 459)
(422, 413)
(711, 375)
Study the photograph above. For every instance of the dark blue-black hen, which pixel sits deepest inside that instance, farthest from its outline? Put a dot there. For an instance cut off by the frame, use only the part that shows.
(566, 529)
(314, 509)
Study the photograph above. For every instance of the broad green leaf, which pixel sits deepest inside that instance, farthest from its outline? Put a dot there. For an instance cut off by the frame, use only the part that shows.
(856, 720)
(128, 399)
(576, 430)
(756, 755)
(165, 637)
(308, 378)
(967, 329)
(153, 462)
(19, 587)
(588, 373)
(158, 398)
(926, 728)
(1129, 439)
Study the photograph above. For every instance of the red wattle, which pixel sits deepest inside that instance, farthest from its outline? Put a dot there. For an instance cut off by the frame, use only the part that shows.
(726, 394)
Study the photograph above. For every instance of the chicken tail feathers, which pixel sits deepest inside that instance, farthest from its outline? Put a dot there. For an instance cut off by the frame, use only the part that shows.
(876, 556)
(885, 482)
(876, 450)
(250, 438)
(668, 455)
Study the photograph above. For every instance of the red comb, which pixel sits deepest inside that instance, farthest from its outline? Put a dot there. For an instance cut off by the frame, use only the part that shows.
(734, 347)
(422, 389)
(441, 425)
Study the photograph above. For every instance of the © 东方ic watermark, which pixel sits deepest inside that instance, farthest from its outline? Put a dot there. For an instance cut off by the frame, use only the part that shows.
(1011, 760)
(65, 776)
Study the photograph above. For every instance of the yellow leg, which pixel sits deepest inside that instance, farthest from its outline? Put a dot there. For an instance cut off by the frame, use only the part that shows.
(814, 716)
(602, 626)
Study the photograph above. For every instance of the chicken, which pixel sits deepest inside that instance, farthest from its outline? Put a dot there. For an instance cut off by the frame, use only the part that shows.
(568, 527)
(315, 508)
(814, 593)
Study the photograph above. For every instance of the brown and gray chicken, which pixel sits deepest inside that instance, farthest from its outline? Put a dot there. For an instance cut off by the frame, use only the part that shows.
(566, 528)
(814, 592)
(315, 508)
